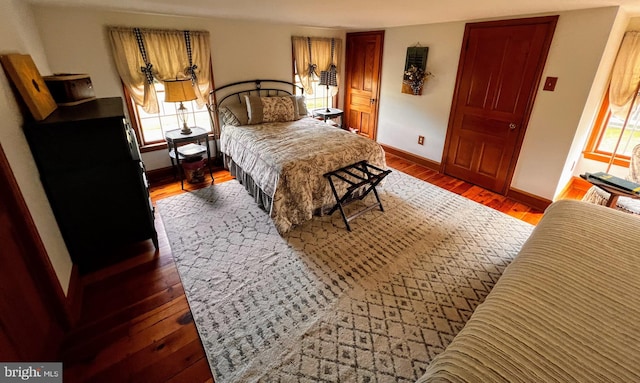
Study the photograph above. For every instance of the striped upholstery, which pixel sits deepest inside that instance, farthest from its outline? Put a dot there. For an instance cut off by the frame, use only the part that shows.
(566, 310)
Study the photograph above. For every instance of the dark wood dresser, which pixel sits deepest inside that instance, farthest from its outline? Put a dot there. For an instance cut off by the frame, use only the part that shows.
(91, 170)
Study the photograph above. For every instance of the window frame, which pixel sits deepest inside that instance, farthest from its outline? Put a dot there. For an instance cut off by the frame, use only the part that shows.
(134, 120)
(294, 80)
(317, 89)
(136, 115)
(591, 151)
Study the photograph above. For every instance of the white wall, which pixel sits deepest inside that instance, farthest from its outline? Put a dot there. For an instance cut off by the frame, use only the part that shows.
(19, 35)
(580, 39)
(75, 41)
(404, 117)
(579, 48)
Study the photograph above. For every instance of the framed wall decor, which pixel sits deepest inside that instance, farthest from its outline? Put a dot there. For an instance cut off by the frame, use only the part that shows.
(415, 67)
(25, 76)
(416, 56)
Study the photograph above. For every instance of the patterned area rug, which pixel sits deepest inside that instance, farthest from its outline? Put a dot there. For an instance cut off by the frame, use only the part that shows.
(324, 304)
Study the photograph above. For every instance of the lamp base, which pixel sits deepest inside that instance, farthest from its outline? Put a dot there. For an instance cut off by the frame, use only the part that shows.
(185, 129)
(328, 110)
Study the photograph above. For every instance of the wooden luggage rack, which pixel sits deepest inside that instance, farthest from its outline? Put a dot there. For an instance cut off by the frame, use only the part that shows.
(359, 176)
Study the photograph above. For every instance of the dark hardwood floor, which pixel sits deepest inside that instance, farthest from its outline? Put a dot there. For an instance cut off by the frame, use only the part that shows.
(136, 325)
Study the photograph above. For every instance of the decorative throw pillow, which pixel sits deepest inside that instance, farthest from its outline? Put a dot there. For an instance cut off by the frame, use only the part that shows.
(240, 112)
(278, 109)
(302, 106)
(295, 107)
(299, 106)
(254, 109)
(270, 109)
(234, 114)
(228, 118)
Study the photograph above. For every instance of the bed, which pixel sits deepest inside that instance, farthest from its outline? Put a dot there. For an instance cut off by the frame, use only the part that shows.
(279, 153)
(565, 310)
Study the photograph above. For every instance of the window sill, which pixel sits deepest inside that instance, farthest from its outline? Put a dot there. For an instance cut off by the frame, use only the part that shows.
(619, 161)
(153, 147)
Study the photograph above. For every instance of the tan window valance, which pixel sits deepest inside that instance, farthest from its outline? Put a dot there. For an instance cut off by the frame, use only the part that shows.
(313, 55)
(625, 76)
(142, 55)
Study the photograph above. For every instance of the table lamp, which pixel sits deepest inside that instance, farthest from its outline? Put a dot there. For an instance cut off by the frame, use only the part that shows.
(328, 78)
(179, 91)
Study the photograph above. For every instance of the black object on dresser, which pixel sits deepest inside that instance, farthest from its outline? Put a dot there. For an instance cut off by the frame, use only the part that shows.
(91, 170)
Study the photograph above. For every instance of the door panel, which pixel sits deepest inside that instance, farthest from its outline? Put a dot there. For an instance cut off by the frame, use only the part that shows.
(19, 297)
(490, 160)
(30, 327)
(500, 68)
(363, 67)
(481, 125)
(464, 150)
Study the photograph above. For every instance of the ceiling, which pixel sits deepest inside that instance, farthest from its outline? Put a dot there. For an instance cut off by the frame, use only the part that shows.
(348, 14)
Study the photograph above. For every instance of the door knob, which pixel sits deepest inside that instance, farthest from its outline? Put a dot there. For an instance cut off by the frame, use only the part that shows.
(512, 126)
(373, 101)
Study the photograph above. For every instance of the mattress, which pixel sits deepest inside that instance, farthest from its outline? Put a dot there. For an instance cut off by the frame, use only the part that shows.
(288, 160)
(565, 310)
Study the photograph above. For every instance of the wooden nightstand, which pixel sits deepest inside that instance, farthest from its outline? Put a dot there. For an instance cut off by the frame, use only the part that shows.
(175, 139)
(332, 113)
(614, 192)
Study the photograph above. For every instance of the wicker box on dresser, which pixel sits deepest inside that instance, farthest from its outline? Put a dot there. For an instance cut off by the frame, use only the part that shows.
(91, 170)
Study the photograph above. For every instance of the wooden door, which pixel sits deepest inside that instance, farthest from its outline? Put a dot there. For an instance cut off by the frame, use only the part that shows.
(498, 75)
(363, 67)
(31, 319)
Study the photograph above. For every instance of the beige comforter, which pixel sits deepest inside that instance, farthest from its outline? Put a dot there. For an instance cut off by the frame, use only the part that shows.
(287, 160)
(566, 310)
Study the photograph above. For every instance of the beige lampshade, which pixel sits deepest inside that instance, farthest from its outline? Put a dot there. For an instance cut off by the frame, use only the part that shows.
(178, 90)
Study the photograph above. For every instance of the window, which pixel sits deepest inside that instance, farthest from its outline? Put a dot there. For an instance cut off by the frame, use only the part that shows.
(152, 126)
(314, 57)
(608, 130)
(616, 130)
(318, 99)
(145, 59)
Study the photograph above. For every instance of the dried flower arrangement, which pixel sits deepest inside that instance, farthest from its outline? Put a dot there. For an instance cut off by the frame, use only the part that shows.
(415, 78)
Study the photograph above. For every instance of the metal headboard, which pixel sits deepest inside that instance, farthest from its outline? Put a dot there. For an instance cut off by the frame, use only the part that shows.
(234, 92)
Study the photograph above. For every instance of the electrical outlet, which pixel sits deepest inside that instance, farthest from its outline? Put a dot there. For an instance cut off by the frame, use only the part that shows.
(420, 140)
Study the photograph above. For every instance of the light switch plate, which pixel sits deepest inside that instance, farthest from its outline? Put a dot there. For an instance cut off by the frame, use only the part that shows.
(550, 83)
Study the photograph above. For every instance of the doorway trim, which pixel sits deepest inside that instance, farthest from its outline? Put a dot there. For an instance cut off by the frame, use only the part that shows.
(64, 308)
(375, 98)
